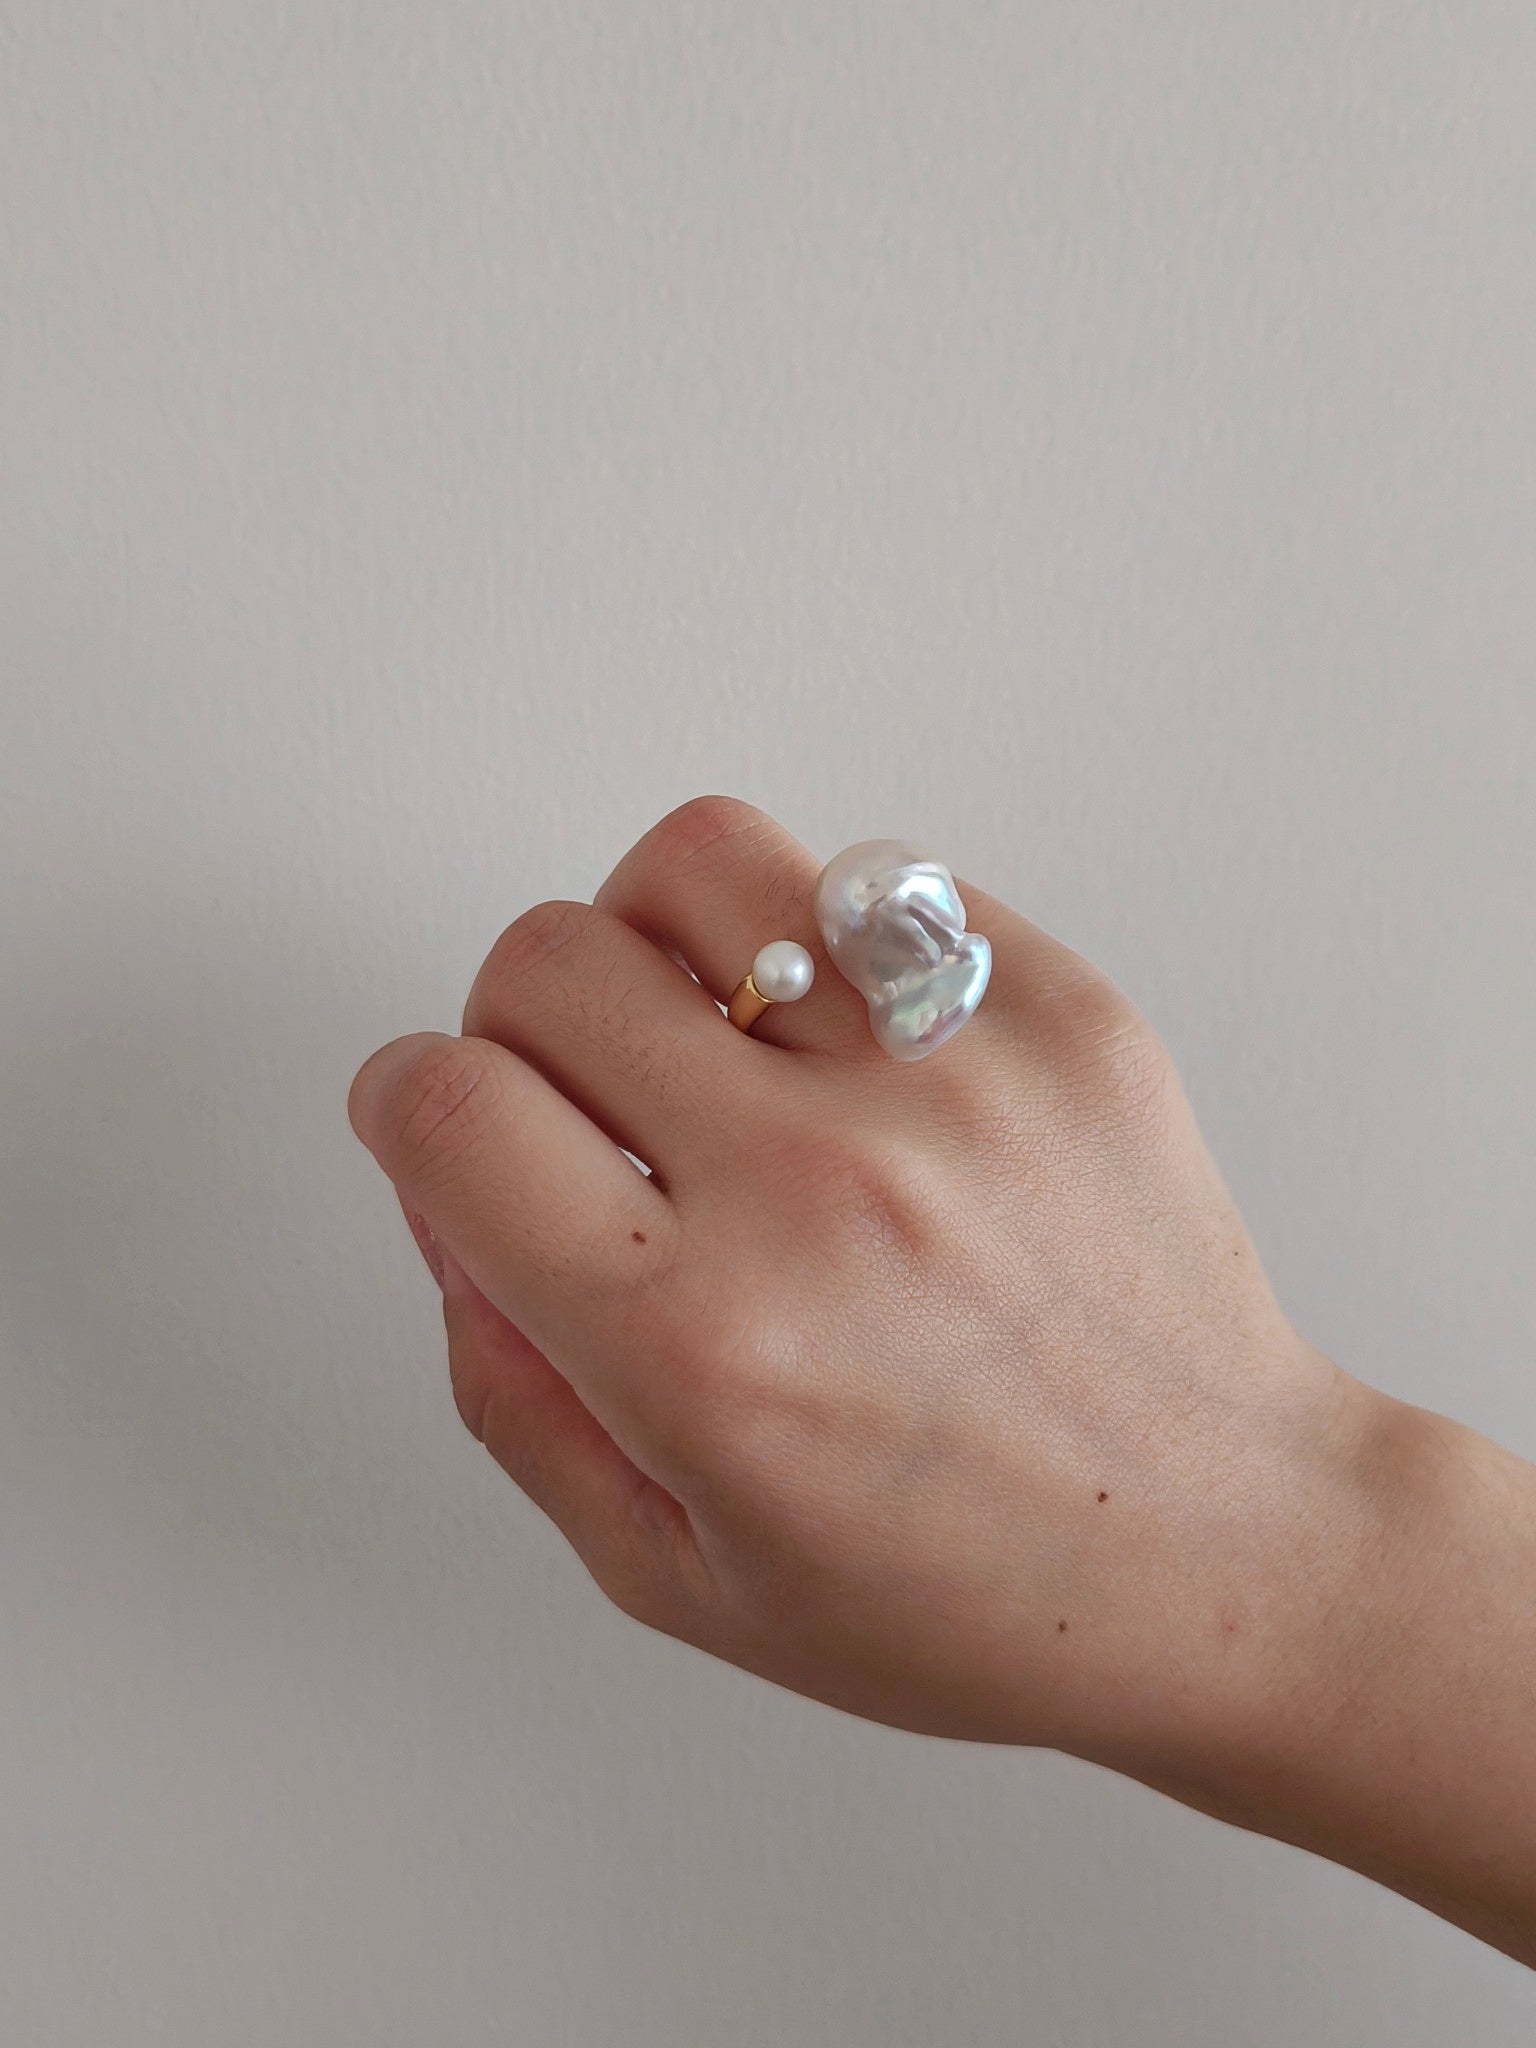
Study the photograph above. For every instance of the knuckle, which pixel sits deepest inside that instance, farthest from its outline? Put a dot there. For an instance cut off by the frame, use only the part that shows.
(1134, 1069)
(875, 1190)
(438, 1102)
(701, 823)
(1085, 1011)
(537, 936)
(1109, 1048)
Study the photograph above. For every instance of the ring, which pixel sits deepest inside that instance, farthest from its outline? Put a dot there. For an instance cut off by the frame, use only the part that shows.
(894, 927)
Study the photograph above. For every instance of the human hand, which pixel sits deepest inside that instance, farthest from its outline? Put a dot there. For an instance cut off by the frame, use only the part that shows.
(952, 1394)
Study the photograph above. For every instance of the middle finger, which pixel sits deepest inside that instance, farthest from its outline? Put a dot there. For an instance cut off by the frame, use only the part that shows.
(715, 881)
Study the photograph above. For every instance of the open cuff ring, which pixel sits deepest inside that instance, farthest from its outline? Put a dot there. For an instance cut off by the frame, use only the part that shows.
(893, 925)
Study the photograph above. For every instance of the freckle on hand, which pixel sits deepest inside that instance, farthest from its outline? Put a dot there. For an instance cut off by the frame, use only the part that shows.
(638, 1236)
(1103, 1497)
(1061, 1628)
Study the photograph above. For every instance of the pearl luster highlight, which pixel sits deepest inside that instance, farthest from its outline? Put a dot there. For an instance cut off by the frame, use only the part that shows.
(894, 927)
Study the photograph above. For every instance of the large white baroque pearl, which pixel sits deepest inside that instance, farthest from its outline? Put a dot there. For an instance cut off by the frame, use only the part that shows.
(894, 926)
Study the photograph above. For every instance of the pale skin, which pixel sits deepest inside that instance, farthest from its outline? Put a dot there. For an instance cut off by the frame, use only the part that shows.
(954, 1394)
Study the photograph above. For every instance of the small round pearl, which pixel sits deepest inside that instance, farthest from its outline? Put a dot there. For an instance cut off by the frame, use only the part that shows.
(783, 971)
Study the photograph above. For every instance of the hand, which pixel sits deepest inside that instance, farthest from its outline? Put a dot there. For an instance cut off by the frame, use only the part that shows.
(953, 1394)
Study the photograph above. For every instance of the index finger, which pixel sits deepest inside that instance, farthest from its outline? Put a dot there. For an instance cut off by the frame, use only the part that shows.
(551, 1221)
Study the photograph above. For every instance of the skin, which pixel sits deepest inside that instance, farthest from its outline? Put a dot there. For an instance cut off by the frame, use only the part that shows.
(954, 1394)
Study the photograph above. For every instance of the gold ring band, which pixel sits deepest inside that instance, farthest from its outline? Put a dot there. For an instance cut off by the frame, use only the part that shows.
(747, 1003)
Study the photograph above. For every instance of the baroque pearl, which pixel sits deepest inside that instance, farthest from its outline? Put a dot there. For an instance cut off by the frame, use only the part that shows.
(783, 971)
(894, 926)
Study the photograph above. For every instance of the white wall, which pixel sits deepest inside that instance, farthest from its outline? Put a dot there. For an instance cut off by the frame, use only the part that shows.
(437, 438)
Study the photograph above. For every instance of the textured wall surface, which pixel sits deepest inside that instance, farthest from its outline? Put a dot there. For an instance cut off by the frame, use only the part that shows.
(1096, 439)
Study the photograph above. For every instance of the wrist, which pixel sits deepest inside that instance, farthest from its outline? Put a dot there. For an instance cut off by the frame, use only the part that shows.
(1237, 1609)
(1384, 1715)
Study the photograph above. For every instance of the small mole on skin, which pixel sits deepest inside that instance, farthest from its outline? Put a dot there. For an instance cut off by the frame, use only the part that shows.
(1061, 1628)
(638, 1236)
(1103, 1497)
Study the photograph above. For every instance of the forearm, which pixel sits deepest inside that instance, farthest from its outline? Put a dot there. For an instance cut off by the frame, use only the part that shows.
(1408, 1749)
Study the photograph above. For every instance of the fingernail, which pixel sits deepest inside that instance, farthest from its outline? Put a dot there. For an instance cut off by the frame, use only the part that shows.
(453, 1279)
(431, 1250)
